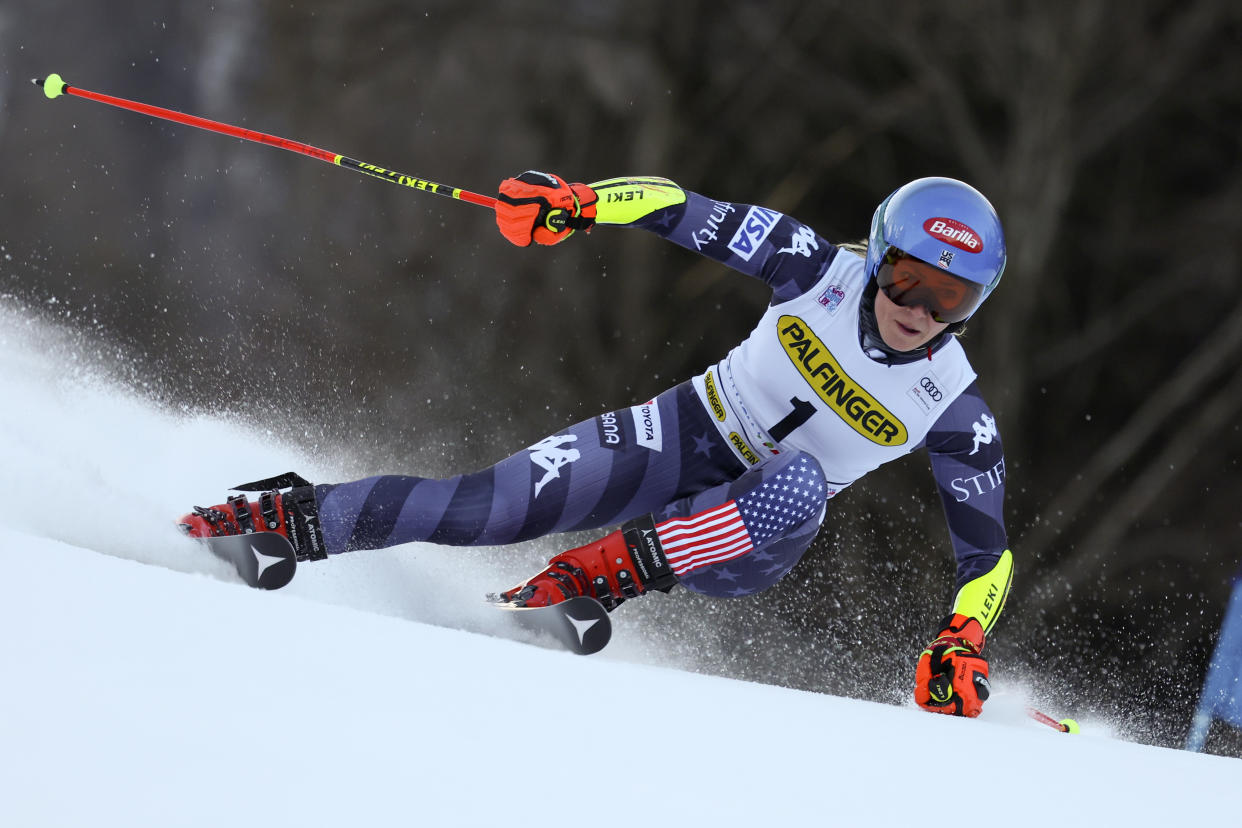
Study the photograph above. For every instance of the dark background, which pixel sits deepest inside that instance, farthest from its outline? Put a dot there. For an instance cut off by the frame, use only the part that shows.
(345, 312)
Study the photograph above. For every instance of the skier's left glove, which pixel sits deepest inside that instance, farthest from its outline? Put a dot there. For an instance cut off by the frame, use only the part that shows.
(541, 207)
(952, 675)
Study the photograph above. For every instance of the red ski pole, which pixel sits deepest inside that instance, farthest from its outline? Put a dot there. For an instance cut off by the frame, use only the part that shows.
(1065, 725)
(54, 87)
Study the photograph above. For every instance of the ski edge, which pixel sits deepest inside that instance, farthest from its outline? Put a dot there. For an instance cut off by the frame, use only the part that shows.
(264, 560)
(580, 625)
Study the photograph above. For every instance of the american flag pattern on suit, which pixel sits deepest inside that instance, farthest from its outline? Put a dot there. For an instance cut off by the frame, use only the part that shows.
(783, 502)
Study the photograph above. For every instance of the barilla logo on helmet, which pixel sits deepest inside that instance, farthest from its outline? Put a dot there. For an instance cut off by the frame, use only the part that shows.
(952, 231)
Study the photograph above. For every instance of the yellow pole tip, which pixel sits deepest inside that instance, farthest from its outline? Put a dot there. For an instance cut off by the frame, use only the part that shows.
(1070, 726)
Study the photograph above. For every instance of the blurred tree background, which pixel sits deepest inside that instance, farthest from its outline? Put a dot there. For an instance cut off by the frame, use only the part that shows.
(400, 328)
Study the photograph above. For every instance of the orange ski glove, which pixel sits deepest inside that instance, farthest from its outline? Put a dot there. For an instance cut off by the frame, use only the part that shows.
(952, 675)
(541, 207)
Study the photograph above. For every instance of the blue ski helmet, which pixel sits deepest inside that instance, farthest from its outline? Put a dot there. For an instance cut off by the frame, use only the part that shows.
(945, 223)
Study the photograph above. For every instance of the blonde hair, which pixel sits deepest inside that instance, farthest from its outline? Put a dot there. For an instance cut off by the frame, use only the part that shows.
(858, 248)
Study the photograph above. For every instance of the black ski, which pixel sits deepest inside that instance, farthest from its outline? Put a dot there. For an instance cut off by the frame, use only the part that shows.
(264, 560)
(580, 624)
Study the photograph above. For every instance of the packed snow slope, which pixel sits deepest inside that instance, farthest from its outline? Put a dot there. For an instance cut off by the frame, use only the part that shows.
(141, 685)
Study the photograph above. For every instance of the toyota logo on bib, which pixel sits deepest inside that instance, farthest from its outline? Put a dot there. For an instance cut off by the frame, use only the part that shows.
(952, 231)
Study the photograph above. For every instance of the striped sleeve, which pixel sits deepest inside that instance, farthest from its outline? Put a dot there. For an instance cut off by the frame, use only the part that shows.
(785, 254)
(968, 462)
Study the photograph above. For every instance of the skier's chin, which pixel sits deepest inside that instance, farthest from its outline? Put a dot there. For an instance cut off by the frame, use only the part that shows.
(901, 337)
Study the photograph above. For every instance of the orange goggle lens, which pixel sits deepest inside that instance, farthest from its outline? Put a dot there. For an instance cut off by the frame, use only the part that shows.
(909, 282)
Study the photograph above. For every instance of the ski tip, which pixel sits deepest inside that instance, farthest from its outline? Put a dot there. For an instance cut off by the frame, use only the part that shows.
(53, 85)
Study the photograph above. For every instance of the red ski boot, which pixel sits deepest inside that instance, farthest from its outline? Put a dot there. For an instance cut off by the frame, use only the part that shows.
(293, 513)
(624, 564)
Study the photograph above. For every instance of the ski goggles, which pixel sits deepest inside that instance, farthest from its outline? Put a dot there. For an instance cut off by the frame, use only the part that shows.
(910, 282)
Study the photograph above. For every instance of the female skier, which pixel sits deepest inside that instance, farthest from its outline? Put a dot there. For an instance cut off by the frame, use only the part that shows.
(720, 483)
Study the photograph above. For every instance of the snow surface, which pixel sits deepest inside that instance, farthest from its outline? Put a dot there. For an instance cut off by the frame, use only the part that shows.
(369, 693)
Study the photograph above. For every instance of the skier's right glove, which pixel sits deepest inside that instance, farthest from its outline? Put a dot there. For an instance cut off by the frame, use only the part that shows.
(952, 675)
(541, 207)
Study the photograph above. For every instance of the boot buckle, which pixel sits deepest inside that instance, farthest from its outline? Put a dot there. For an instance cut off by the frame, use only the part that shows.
(241, 510)
(267, 509)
